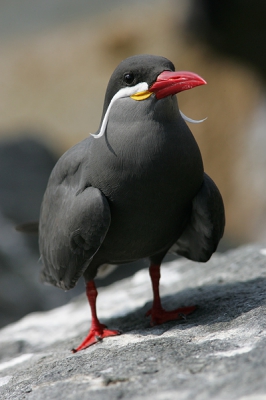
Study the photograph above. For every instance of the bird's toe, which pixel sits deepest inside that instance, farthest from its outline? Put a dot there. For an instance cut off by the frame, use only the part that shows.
(160, 316)
(95, 335)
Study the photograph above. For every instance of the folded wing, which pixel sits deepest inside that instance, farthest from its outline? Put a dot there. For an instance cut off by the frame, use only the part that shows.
(205, 228)
(73, 226)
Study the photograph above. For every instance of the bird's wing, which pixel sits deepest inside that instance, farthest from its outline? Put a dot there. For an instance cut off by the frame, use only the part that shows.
(71, 231)
(74, 219)
(205, 228)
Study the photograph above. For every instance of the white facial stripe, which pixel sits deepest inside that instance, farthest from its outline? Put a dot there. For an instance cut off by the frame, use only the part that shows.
(193, 121)
(124, 92)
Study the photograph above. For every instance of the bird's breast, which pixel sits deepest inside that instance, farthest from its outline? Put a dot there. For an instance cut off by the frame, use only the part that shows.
(150, 174)
(148, 151)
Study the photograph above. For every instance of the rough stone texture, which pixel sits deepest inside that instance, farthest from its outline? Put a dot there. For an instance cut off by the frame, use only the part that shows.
(219, 352)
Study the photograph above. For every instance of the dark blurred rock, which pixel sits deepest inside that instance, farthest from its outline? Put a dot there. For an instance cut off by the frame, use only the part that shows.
(25, 166)
(234, 27)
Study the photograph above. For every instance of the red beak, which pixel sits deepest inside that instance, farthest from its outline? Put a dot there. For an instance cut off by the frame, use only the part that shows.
(171, 82)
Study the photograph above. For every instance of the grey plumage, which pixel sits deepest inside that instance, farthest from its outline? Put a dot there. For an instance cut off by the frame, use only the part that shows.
(136, 192)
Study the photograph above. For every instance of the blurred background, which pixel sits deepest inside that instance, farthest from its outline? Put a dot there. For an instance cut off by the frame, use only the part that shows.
(56, 60)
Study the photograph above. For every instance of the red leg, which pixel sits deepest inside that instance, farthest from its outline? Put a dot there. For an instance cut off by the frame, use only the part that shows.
(97, 331)
(157, 313)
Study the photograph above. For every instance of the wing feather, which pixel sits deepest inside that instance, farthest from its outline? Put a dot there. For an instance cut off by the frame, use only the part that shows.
(74, 219)
(205, 228)
(71, 232)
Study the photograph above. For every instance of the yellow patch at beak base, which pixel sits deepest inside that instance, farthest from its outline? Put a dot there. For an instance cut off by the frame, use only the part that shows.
(141, 95)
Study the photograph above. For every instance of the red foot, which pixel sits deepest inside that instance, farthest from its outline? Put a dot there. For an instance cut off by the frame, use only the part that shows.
(96, 335)
(159, 315)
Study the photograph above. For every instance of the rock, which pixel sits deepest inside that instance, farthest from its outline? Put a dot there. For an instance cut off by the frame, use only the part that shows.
(215, 24)
(219, 352)
(25, 166)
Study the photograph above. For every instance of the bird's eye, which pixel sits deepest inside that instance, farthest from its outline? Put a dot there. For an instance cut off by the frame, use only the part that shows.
(129, 78)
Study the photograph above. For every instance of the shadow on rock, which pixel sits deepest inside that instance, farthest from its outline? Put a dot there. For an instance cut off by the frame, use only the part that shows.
(217, 303)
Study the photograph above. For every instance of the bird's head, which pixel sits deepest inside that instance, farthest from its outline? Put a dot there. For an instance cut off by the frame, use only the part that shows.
(142, 76)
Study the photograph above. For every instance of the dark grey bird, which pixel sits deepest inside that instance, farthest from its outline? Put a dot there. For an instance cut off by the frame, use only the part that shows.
(135, 189)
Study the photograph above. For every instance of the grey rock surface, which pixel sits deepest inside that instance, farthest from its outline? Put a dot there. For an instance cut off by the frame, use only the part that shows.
(219, 352)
